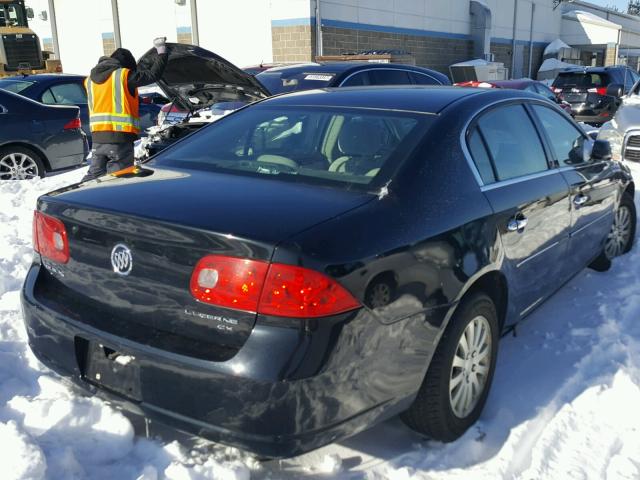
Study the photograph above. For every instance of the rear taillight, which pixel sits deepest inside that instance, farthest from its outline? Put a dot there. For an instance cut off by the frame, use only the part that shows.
(75, 123)
(50, 238)
(291, 291)
(599, 90)
(270, 289)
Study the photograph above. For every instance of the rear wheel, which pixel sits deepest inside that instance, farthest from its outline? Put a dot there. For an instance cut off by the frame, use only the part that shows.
(20, 163)
(455, 388)
(620, 238)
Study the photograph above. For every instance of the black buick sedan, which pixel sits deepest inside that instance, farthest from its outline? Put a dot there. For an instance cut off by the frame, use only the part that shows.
(318, 262)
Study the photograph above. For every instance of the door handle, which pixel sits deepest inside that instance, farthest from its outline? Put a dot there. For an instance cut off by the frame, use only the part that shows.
(580, 199)
(517, 224)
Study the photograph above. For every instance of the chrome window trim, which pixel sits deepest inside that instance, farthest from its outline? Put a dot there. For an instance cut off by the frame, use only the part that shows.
(467, 153)
(438, 82)
(524, 178)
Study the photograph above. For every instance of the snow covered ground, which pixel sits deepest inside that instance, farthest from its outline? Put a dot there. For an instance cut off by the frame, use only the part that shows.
(564, 402)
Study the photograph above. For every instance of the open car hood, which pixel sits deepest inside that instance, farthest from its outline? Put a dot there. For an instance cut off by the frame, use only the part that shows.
(196, 78)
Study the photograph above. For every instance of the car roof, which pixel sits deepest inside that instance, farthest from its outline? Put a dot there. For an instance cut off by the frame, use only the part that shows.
(409, 98)
(518, 83)
(339, 67)
(44, 77)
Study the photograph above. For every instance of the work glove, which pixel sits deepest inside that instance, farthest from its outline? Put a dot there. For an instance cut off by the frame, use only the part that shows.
(160, 45)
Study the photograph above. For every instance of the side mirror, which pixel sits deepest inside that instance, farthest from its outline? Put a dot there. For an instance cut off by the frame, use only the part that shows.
(30, 14)
(601, 150)
(615, 90)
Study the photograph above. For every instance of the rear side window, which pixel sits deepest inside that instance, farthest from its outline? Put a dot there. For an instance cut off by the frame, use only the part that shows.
(65, 94)
(511, 142)
(481, 157)
(389, 77)
(581, 80)
(15, 86)
(566, 141)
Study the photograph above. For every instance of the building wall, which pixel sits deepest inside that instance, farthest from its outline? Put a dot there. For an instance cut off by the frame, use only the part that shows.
(449, 17)
(293, 43)
(432, 51)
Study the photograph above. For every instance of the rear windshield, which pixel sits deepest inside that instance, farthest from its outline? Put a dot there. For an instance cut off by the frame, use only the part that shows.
(15, 86)
(343, 147)
(281, 82)
(579, 79)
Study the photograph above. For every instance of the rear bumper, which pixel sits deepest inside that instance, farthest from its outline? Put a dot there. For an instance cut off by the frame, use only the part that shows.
(316, 388)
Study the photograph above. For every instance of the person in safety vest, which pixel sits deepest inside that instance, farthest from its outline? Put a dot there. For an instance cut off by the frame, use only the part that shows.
(112, 91)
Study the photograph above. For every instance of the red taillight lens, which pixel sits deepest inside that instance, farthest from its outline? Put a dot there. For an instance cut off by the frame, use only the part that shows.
(229, 282)
(269, 289)
(598, 90)
(50, 238)
(291, 291)
(146, 100)
(75, 123)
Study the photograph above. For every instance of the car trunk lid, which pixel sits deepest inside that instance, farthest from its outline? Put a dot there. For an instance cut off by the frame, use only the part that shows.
(168, 220)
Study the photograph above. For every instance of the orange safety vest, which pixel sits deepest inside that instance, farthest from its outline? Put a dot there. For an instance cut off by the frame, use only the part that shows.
(112, 108)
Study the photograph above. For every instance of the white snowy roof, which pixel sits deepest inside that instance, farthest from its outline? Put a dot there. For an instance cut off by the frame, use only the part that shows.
(554, 64)
(555, 46)
(588, 17)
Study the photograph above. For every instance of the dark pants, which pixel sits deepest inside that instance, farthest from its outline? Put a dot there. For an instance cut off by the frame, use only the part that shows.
(109, 157)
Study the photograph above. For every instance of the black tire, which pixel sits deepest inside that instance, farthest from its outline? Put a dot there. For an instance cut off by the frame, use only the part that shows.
(603, 261)
(36, 164)
(432, 413)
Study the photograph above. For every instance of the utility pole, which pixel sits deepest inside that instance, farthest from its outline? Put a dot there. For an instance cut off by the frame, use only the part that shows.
(116, 23)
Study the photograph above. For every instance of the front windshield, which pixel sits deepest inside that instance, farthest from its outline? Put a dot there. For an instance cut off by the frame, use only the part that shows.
(15, 86)
(280, 81)
(340, 146)
(12, 15)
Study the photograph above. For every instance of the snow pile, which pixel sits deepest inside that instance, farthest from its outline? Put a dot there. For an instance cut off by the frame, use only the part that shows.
(563, 404)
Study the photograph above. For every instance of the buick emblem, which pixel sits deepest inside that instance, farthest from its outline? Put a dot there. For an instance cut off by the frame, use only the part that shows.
(121, 259)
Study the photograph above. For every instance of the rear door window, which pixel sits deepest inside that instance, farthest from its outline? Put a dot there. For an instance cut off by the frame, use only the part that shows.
(357, 79)
(512, 142)
(421, 79)
(545, 91)
(389, 77)
(567, 142)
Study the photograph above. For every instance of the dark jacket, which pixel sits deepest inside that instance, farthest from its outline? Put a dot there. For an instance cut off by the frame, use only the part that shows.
(137, 78)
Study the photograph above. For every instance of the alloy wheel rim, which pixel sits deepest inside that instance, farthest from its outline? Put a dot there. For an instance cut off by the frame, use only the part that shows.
(470, 367)
(380, 295)
(18, 166)
(619, 234)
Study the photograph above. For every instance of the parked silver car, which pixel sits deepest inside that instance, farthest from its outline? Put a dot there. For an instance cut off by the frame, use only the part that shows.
(623, 131)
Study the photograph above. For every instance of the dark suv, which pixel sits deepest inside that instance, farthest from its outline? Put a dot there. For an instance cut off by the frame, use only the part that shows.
(594, 93)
